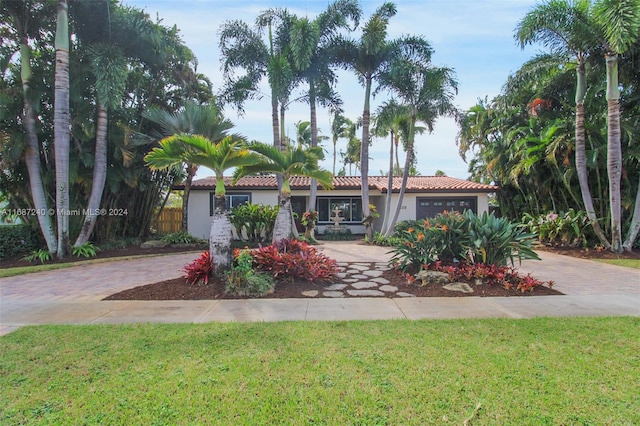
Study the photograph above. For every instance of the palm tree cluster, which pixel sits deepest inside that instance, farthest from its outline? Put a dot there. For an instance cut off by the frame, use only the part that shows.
(561, 134)
(76, 77)
(109, 85)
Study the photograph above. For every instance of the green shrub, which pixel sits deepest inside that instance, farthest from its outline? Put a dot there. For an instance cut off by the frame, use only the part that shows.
(254, 222)
(570, 229)
(36, 256)
(451, 237)
(120, 243)
(495, 240)
(243, 281)
(18, 239)
(337, 235)
(85, 250)
(380, 240)
(180, 237)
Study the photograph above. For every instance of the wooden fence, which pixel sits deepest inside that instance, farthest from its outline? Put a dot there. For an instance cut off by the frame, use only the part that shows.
(169, 220)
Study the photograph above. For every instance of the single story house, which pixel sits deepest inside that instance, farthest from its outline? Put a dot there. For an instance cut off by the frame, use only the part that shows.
(425, 196)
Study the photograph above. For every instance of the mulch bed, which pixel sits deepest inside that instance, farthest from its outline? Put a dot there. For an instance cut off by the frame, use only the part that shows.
(590, 253)
(176, 289)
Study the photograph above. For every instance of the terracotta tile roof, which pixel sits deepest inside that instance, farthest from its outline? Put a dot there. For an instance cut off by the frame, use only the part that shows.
(414, 183)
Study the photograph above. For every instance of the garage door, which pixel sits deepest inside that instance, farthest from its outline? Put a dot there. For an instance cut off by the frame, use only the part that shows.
(431, 207)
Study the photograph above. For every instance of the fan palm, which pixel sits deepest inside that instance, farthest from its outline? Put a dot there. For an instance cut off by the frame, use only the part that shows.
(229, 153)
(290, 162)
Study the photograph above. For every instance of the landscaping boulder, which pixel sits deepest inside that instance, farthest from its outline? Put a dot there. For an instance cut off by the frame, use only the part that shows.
(461, 287)
(153, 244)
(433, 277)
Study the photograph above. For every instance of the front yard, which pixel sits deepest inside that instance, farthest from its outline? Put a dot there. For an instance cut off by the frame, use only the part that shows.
(539, 371)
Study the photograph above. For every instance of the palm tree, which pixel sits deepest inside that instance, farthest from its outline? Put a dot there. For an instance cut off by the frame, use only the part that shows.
(428, 93)
(110, 68)
(566, 28)
(311, 45)
(229, 153)
(339, 126)
(21, 14)
(290, 162)
(192, 119)
(243, 49)
(368, 58)
(620, 24)
(61, 126)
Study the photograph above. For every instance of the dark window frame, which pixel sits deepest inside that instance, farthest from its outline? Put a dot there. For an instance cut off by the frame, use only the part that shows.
(350, 200)
(228, 195)
(472, 199)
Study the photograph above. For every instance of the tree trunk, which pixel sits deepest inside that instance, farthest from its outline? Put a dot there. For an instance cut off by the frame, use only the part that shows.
(387, 202)
(284, 226)
(335, 142)
(635, 224)
(313, 190)
(99, 178)
(191, 171)
(275, 127)
(405, 176)
(364, 156)
(61, 126)
(614, 152)
(221, 236)
(32, 154)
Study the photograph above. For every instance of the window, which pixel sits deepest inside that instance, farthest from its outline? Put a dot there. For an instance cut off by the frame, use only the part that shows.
(233, 200)
(430, 207)
(351, 208)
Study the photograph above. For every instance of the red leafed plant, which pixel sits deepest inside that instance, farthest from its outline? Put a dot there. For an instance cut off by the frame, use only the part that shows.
(200, 269)
(505, 276)
(293, 259)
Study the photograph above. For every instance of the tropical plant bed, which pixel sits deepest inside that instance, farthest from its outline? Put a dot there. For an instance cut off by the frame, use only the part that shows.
(177, 289)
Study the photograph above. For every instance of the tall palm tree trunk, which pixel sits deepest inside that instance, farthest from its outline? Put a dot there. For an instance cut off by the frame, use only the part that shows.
(634, 229)
(581, 157)
(61, 126)
(32, 154)
(614, 151)
(405, 175)
(191, 171)
(387, 203)
(275, 127)
(99, 178)
(313, 190)
(221, 236)
(364, 156)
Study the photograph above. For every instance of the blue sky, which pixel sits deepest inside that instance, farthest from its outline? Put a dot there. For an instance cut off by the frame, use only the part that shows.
(474, 37)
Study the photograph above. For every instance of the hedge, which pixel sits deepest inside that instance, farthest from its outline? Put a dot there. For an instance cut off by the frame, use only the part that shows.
(18, 239)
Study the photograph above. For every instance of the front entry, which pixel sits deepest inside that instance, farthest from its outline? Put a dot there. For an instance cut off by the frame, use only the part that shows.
(299, 206)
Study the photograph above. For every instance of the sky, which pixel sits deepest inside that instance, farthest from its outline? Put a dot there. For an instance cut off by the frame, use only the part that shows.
(474, 37)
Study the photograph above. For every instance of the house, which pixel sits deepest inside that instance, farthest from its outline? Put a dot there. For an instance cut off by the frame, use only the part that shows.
(425, 196)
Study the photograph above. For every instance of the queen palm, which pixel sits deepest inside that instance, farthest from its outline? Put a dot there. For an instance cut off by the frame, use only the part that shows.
(193, 119)
(619, 21)
(428, 93)
(61, 125)
(22, 16)
(311, 46)
(290, 162)
(368, 57)
(229, 153)
(567, 29)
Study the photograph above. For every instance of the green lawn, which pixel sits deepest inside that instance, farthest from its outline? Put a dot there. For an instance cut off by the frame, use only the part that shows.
(629, 263)
(535, 372)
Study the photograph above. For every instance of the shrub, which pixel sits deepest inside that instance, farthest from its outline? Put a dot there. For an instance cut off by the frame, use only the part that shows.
(338, 235)
(292, 259)
(36, 256)
(85, 250)
(180, 237)
(254, 221)
(242, 280)
(568, 229)
(453, 237)
(495, 240)
(18, 239)
(200, 270)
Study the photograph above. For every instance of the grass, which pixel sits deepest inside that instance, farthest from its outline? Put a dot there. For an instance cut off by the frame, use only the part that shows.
(628, 263)
(525, 372)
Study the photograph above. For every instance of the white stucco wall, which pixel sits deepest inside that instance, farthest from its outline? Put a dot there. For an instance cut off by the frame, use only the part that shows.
(200, 221)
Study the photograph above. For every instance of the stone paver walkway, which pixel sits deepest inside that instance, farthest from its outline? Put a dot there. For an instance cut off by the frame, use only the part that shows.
(73, 295)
